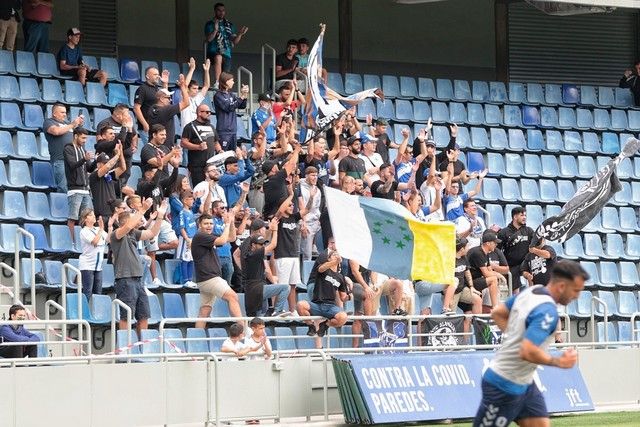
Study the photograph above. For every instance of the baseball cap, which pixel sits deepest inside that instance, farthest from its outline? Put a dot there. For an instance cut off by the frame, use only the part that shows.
(381, 122)
(461, 242)
(490, 236)
(265, 97)
(73, 32)
(368, 138)
(353, 139)
(102, 158)
(165, 91)
(257, 224)
(268, 165)
(259, 240)
(431, 141)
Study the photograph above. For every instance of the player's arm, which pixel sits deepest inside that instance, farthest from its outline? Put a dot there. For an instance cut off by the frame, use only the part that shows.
(541, 323)
(500, 315)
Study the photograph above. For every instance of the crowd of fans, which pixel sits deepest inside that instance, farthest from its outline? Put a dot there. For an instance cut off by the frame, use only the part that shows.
(246, 212)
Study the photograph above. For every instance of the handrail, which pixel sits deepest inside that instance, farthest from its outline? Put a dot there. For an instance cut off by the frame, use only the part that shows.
(46, 324)
(487, 216)
(114, 303)
(16, 283)
(273, 66)
(594, 300)
(63, 312)
(32, 257)
(634, 330)
(242, 70)
(65, 280)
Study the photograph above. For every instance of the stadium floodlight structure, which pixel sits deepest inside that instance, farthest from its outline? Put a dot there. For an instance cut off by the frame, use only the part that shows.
(564, 7)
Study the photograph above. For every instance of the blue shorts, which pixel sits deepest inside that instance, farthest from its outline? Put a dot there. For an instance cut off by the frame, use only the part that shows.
(499, 408)
(130, 291)
(77, 203)
(326, 310)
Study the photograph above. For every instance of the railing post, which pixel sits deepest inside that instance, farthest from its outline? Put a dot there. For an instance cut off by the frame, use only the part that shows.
(594, 300)
(32, 256)
(16, 285)
(249, 109)
(273, 66)
(63, 298)
(63, 311)
(114, 303)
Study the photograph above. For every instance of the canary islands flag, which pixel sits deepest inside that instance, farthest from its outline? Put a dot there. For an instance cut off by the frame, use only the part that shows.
(384, 237)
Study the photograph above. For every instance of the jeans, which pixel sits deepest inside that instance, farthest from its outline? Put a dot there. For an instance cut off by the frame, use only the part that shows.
(306, 243)
(36, 36)
(226, 265)
(424, 290)
(59, 176)
(280, 291)
(91, 283)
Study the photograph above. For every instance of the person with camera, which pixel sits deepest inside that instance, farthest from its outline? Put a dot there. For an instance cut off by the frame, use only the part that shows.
(226, 103)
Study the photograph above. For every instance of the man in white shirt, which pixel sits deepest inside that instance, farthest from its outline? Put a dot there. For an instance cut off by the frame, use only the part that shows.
(470, 225)
(372, 160)
(311, 227)
(210, 183)
(196, 93)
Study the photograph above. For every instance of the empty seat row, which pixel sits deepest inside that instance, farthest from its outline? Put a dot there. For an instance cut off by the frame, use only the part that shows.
(579, 118)
(24, 177)
(620, 305)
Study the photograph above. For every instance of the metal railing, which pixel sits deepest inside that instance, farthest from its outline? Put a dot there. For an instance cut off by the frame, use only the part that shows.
(32, 256)
(117, 303)
(16, 281)
(595, 300)
(46, 323)
(63, 298)
(249, 110)
(273, 66)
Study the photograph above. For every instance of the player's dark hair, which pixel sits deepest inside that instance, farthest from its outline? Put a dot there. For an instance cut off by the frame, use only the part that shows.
(568, 270)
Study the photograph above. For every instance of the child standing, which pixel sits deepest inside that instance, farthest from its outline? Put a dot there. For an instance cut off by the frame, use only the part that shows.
(258, 342)
(188, 229)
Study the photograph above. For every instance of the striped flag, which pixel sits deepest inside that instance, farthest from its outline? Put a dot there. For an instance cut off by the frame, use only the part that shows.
(384, 237)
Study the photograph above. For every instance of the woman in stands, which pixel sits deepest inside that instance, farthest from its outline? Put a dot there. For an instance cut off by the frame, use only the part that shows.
(226, 103)
(93, 242)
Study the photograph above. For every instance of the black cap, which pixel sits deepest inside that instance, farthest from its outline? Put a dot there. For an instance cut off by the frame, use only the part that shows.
(490, 236)
(353, 139)
(268, 165)
(73, 32)
(259, 240)
(461, 242)
(265, 97)
(257, 224)
(230, 160)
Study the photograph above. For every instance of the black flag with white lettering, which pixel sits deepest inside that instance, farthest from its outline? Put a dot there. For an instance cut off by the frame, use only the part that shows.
(587, 202)
(486, 331)
(443, 330)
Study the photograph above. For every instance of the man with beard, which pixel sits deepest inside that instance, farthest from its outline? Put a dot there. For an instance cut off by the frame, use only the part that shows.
(125, 133)
(383, 143)
(157, 154)
(199, 138)
(163, 111)
(515, 239)
(145, 97)
(353, 165)
(275, 186)
(210, 183)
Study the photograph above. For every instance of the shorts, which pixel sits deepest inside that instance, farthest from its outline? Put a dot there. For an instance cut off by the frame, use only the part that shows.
(465, 297)
(358, 297)
(166, 235)
(499, 408)
(324, 309)
(130, 291)
(91, 75)
(78, 202)
(183, 252)
(211, 289)
(288, 270)
(480, 284)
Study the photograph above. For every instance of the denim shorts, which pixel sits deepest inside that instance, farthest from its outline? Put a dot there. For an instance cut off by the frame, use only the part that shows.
(77, 203)
(130, 291)
(326, 310)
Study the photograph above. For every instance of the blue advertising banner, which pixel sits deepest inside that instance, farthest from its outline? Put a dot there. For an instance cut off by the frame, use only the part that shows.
(432, 386)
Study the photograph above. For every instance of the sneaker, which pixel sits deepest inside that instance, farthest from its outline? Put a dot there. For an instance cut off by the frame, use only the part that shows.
(215, 86)
(322, 329)
(283, 313)
(190, 284)
(157, 282)
(399, 312)
(294, 313)
(311, 331)
(269, 312)
(447, 311)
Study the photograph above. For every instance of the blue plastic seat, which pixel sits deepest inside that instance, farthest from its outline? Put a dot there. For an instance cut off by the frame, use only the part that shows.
(7, 64)
(601, 119)
(535, 140)
(96, 95)
(26, 146)
(475, 114)
(385, 109)
(514, 165)
(614, 247)
(118, 94)
(29, 90)
(567, 118)
(572, 142)
(41, 242)
(584, 119)
(87, 314)
(10, 116)
(593, 246)
(25, 64)
(408, 87)
(404, 111)
(43, 176)
(370, 81)
(491, 190)
(512, 116)
(173, 306)
(48, 66)
(284, 338)
(134, 88)
(496, 215)
(217, 337)
(574, 249)
(9, 89)
(627, 302)
(570, 94)
(590, 142)
(6, 145)
(33, 118)
(552, 94)
(548, 117)
(19, 176)
(635, 190)
(632, 248)
(623, 98)
(530, 192)
(365, 108)
(439, 112)
(498, 92)
(129, 70)
(510, 190)
(530, 116)
(91, 61)
(154, 308)
(628, 220)
(535, 93)
(625, 169)
(535, 216)
(421, 111)
(624, 331)
(198, 342)
(550, 166)
(51, 91)
(612, 307)
(548, 191)
(390, 86)
(492, 115)
(464, 138)
(123, 339)
(475, 161)
(192, 304)
(554, 142)
(61, 239)
(619, 120)
(588, 95)
(634, 120)
(352, 83)
(461, 90)
(173, 342)
(516, 93)
(304, 342)
(38, 207)
(457, 112)
(606, 96)
(14, 207)
(444, 89)
(624, 196)
(517, 141)
(335, 82)
(59, 207)
(480, 91)
(586, 166)
(479, 138)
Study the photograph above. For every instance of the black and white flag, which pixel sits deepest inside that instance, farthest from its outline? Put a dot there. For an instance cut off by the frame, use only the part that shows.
(587, 202)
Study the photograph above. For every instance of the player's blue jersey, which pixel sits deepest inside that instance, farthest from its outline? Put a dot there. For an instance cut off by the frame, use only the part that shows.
(533, 315)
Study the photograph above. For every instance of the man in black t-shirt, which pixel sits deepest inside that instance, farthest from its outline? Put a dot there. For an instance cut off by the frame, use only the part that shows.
(537, 264)
(163, 111)
(208, 273)
(157, 154)
(466, 296)
(145, 97)
(515, 239)
(323, 302)
(254, 280)
(480, 266)
(200, 139)
(286, 63)
(386, 186)
(352, 165)
(102, 182)
(125, 133)
(383, 144)
(275, 186)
